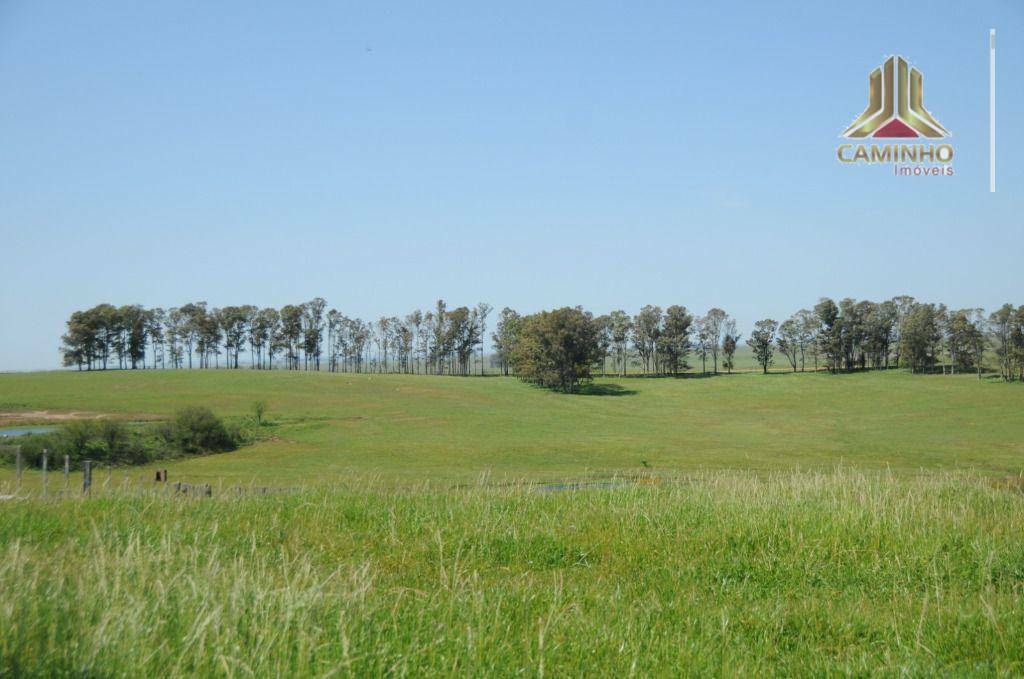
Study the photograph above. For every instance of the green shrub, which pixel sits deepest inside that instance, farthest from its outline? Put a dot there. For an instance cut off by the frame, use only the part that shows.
(198, 430)
(259, 409)
(97, 440)
(32, 446)
(194, 430)
(241, 432)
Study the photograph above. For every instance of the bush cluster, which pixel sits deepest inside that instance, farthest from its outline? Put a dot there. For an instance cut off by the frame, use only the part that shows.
(194, 430)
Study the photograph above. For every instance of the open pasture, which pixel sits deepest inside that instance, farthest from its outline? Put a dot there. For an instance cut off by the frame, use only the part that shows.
(406, 428)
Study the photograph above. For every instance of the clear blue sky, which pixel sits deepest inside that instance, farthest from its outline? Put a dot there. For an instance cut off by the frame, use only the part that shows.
(534, 155)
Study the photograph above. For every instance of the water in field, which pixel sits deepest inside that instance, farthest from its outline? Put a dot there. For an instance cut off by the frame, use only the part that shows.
(22, 431)
(579, 485)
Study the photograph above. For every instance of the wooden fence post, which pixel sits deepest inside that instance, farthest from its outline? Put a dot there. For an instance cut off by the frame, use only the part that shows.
(67, 473)
(110, 473)
(45, 461)
(19, 463)
(86, 476)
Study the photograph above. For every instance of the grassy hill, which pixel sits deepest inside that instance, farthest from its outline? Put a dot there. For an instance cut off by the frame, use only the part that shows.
(453, 429)
(716, 557)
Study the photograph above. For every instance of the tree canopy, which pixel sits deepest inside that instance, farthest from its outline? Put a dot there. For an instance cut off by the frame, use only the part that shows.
(840, 336)
(557, 349)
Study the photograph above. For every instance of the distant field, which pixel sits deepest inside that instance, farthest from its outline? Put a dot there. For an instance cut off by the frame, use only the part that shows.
(411, 428)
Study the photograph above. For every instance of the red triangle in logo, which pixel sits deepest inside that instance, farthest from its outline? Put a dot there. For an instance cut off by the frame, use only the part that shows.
(895, 128)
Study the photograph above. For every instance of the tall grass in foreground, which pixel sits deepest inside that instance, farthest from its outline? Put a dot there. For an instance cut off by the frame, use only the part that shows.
(803, 574)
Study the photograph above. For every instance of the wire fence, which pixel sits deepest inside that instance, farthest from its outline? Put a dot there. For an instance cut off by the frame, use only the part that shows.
(55, 479)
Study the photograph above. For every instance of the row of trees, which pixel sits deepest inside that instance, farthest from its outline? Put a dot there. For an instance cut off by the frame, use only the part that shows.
(299, 336)
(307, 336)
(558, 349)
(922, 337)
(656, 341)
(839, 336)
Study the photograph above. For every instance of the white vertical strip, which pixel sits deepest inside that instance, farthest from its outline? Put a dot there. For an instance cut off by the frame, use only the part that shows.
(992, 111)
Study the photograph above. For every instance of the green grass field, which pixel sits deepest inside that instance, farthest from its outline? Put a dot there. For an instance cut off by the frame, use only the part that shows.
(329, 426)
(726, 573)
(744, 525)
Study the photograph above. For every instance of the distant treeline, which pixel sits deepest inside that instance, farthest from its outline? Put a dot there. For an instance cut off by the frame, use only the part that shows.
(844, 336)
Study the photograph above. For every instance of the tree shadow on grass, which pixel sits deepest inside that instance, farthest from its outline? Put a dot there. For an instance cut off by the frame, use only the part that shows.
(604, 390)
(669, 376)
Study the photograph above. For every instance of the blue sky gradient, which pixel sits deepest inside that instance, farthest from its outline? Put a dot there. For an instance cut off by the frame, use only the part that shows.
(534, 155)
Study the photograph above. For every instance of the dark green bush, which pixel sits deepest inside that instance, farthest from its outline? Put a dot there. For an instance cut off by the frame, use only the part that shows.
(194, 430)
(197, 430)
(106, 440)
(98, 440)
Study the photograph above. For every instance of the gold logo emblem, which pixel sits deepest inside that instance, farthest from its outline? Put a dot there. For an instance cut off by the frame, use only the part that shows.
(895, 106)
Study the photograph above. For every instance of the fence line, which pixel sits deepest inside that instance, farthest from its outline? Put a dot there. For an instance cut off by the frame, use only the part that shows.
(155, 483)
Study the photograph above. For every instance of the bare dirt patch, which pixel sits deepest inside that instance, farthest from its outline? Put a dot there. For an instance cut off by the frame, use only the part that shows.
(20, 417)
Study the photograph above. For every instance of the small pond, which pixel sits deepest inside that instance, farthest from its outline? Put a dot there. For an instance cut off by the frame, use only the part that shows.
(21, 431)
